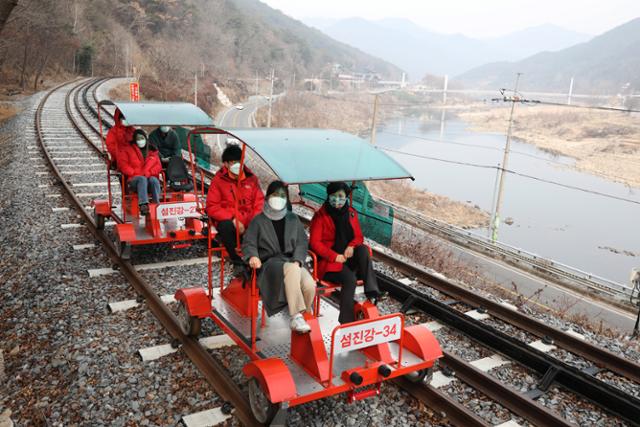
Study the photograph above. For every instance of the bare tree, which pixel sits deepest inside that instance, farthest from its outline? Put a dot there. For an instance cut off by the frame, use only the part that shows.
(6, 6)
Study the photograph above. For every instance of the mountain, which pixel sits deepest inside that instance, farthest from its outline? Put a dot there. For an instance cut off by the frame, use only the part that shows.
(532, 40)
(317, 51)
(604, 64)
(420, 51)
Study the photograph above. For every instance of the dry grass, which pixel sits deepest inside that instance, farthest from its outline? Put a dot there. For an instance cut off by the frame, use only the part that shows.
(603, 143)
(307, 110)
(429, 204)
(7, 111)
(119, 93)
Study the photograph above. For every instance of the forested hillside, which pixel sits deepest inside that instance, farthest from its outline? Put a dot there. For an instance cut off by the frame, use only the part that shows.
(166, 42)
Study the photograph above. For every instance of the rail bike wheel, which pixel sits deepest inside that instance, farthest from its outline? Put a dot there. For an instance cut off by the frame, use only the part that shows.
(262, 408)
(190, 325)
(420, 375)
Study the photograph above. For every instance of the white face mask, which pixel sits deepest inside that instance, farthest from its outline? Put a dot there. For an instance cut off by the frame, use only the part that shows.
(235, 168)
(141, 143)
(165, 129)
(277, 203)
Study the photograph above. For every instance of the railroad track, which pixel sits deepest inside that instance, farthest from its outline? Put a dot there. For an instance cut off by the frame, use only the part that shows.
(524, 406)
(533, 355)
(62, 136)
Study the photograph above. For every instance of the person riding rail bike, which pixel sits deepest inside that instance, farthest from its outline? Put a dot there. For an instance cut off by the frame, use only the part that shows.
(276, 244)
(118, 138)
(227, 196)
(140, 164)
(166, 141)
(337, 240)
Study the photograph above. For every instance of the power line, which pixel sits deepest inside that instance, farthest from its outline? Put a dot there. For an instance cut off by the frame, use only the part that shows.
(481, 166)
(386, 104)
(438, 159)
(484, 147)
(560, 104)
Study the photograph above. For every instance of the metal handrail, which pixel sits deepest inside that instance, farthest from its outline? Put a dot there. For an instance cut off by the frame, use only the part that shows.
(593, 280)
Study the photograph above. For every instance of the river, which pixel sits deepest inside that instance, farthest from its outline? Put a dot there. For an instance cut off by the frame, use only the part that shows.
(571, 226)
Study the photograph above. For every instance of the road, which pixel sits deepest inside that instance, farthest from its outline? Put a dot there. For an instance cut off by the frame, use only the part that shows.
(234, 118)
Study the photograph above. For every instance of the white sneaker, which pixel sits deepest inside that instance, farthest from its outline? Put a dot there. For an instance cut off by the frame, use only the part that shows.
(298, 324)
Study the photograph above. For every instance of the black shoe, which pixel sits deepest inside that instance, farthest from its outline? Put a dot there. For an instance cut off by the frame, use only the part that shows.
(240, 271)
(376, 297)
(144, 209)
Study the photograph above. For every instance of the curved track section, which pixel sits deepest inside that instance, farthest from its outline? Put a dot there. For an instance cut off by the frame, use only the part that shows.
(72, 154)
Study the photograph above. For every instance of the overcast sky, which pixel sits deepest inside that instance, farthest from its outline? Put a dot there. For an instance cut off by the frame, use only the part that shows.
(477, 18)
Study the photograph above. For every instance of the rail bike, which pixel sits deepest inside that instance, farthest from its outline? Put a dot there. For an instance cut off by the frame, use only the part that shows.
(287, 368)
(177, 219)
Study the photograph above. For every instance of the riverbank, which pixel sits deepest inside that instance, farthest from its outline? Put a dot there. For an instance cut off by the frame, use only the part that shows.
(603, 143)
(442, 208)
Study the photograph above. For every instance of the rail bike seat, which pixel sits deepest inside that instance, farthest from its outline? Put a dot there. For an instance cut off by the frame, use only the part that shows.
(325, 288)
(177, 175)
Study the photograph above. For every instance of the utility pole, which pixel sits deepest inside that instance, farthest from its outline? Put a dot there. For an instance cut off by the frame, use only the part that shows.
(256, 82)
(195, 89)
(570, 92)
(373, 120)
(505, 162)
(273, 73)
(444, 101)
(444, 90)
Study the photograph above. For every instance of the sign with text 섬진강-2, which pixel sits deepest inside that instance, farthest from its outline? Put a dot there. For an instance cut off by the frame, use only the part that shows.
(177, 210)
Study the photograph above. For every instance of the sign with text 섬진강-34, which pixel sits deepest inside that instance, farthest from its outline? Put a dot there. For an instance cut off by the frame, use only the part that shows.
(366, 334)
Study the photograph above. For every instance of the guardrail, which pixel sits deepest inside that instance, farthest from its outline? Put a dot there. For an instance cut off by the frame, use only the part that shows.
(535, 262)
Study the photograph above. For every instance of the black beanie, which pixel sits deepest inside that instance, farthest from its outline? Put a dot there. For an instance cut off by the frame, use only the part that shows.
(275, 186)
(337, 186)
(232, 153)
(139, 132)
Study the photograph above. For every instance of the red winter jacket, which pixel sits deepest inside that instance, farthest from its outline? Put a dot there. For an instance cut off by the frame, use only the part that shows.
(222, 195)
(323, 236)
(118, 137)
(132, 163)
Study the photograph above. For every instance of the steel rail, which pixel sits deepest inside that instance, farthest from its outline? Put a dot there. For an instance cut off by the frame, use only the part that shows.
(214, 373)
(506, 396)
(454, 411)
(82, 92)
(582, 383)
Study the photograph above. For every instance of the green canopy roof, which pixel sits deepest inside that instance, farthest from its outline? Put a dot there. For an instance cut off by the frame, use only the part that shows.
(161, 113)
(301, 156)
